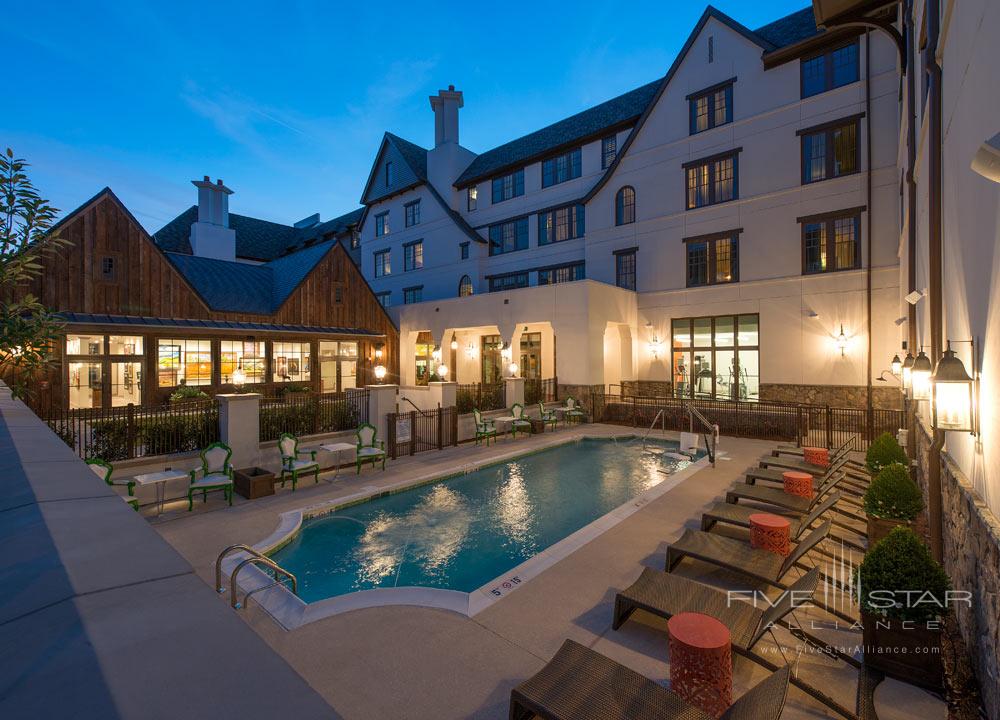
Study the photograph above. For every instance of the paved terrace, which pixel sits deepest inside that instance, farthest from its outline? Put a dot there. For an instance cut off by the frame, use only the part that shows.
(411, 662)
(100, 618)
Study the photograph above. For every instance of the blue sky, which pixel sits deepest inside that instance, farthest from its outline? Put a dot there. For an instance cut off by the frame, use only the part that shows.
(289, 107)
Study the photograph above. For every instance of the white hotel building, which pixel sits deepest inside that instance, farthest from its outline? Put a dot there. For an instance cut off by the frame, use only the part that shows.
(720, 231)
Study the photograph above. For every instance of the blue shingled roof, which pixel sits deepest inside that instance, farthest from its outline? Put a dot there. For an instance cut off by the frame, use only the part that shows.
(791, 29)
(244, 287)
(615, 112)
(158, 322)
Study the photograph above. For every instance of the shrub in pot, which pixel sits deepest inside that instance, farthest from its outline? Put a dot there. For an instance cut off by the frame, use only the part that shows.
(892, 499)
(186, 393)
(903, 594)
(884, 451)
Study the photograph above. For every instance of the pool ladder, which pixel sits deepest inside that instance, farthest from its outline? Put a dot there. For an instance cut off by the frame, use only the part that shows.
(254, 559)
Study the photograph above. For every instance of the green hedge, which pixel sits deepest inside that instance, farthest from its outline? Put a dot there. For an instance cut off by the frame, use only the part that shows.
(899, 579)
(892, 494)
(153, 436)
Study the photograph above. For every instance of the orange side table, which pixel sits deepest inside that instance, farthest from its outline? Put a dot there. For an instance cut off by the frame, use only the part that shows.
(770, 532)
(816, 456)
(798, 483)
(701, 661)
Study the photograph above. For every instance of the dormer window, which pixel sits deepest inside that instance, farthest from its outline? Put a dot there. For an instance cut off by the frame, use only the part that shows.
(472, 197)
(382, 224)
(388, 173)
(711, 107)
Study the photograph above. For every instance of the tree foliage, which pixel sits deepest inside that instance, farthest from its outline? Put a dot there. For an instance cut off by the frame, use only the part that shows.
(28, 330)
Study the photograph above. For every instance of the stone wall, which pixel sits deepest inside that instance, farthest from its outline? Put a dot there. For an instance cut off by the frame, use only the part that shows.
(843, 396)
(646, 388)
(580, 393)
(971, 535)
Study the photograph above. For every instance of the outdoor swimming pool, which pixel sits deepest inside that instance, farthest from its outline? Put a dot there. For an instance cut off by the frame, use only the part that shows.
(463, 532)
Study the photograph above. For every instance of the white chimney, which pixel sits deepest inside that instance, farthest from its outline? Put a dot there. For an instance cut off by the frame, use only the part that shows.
(445, 106)
(211, 235)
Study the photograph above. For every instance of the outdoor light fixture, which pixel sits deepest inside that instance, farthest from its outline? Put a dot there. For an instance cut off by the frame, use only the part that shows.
(506, 353)
(513, 369)
(436, 354)
(908, 372)
(442, 371)
(454, 344)
(655, 346)
(842, 341)
(953, 406)
(470, 350)
(378, 351)
(920, 377)
(380, 372)
(896, 365)
(239, 378)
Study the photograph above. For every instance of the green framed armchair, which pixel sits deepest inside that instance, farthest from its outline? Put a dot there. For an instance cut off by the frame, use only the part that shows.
(370, 449)
(548, 417)
(574, 413)
(292, 466)
(485, 429)
(216, 474)
(103, 469)
(522, 423)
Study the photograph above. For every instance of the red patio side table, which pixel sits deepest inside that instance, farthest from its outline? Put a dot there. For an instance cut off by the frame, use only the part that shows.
(816, 456)
(701, 661)
(770, 532)
(798, 483)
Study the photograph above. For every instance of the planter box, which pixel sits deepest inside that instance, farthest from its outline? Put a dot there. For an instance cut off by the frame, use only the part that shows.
(878, 528)
(537, 426)
(910, 652)
(253, 483)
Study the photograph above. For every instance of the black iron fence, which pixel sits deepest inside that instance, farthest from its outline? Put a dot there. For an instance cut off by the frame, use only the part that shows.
(538, 390)
(482, 396)
(764, 420)
(311, 414)
(417, 431)
(134, 431)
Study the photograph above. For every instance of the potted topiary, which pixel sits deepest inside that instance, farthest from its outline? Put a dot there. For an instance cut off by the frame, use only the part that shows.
(903, 595)
(884, 451)
(892, 499)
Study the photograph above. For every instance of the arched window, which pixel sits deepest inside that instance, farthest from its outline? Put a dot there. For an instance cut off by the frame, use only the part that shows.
(465, 286)
(625, 206)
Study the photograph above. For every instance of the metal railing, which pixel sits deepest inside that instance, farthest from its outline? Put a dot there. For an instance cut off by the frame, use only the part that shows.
(416, 431)
(255, 558)
(482, 396)
(538, 390)
(312, 414)
(134, 431)
(765, 420)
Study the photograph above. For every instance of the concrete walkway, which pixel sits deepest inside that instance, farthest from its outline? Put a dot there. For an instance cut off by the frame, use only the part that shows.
(408, 662)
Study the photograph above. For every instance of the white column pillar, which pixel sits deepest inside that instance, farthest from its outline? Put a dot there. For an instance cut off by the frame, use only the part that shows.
(381, 402)
(443, 393)
(514, 390)
(239, 427)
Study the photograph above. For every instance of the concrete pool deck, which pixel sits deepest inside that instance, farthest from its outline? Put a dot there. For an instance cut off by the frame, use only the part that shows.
(412, 662)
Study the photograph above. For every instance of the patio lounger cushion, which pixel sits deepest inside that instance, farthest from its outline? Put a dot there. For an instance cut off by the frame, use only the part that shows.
(739, 515)
(302, 464)
(212, 480)
(367, 451)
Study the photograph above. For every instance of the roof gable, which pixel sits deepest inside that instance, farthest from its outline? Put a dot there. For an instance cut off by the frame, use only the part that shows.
(409, 168)
(791, 29)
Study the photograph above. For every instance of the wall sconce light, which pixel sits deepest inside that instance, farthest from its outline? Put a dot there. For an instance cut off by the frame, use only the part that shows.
(655, 346)
(470, 351)
(454, 344)
(920, 377)
(908, 372)
(842, 341)
(513, 369)
(442, 372)
(379, 350)
(896, 365)
(380, 372)
(954, 394)
(436, 353)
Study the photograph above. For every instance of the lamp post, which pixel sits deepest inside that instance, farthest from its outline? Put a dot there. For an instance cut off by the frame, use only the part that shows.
(239, 379)
(953, 395)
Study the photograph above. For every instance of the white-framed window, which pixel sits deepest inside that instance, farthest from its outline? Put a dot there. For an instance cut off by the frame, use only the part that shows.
(183, 361)
(245, 355)
(292, 361)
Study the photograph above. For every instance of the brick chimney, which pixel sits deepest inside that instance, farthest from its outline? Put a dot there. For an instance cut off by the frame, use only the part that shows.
(211, 235)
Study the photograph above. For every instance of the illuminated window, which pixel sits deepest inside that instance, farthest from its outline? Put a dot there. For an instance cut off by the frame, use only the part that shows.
(465, 286)
(711, 108)
(565, 223)
(716, 357)
(712, 259)
(830, 151)
(831, 243)
(713, 180)
(183, 362)
(291, 362)
(245, 355)
(472, 198)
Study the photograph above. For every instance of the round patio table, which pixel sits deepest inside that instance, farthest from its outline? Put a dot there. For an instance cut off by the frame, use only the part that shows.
(798, 483)
(816, 456)
(701, 661)
(770, 532)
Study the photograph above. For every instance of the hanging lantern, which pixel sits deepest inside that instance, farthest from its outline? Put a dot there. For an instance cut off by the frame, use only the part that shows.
(896, 365)
(952, 389)
(920, 377)
(454, 344)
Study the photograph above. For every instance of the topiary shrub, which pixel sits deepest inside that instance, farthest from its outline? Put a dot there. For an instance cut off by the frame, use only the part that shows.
(884, 451)
(893, 494)
(898, 579)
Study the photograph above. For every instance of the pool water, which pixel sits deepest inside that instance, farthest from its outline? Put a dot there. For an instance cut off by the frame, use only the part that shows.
(460, 533)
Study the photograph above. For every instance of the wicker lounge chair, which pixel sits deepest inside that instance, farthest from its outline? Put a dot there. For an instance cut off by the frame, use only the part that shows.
(776, 476)
(798, 452)
(732, 514)
(580, 684)
(778, 497)
(790, 463)
(291, 465)
(665, 595)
